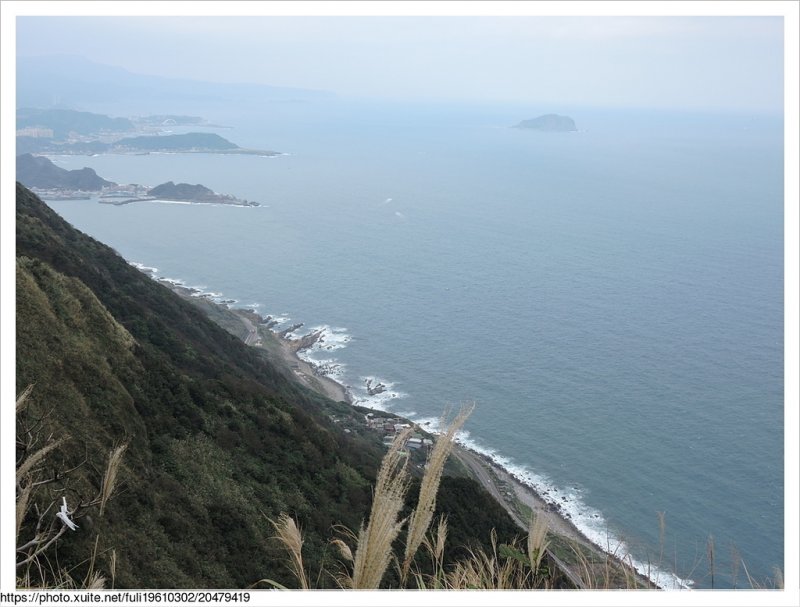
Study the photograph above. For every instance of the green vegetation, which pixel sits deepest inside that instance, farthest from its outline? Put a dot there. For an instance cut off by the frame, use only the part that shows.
(194, 193)
(367, 555)
(218, 440)
(187, 141)
(179, 452)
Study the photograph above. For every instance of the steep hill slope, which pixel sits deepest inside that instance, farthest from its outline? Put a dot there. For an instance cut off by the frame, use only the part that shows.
(218, 438)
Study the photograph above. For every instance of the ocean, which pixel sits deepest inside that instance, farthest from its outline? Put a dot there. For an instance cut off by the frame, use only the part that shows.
(611, 299)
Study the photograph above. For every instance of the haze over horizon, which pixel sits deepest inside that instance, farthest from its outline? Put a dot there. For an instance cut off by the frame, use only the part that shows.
(691, 63)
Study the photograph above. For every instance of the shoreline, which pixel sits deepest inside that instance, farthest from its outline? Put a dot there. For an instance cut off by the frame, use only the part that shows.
(492, 476)
(508, 490)
(288, 349)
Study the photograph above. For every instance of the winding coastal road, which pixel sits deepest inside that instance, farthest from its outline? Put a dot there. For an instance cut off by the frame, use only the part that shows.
(252, 332)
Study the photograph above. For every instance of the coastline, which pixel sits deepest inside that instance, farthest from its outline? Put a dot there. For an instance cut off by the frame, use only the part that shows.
(510, 492)
(518, 498)
(257, 331)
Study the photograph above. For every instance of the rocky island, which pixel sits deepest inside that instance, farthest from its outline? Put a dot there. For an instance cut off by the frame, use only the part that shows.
(551, 123)
(183, 192)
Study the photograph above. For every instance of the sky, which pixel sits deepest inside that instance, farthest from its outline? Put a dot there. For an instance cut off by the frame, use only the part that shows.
(717, 63)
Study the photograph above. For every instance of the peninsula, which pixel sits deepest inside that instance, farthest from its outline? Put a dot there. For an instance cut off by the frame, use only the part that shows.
(209, 143)
(41, 131)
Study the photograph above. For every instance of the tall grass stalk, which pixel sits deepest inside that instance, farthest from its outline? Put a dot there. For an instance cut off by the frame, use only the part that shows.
(110, 476)
(374, 550)
(289, 535)
(537, 541)
(112, 567)
(23, 498)
(22, 399)
(421, 517)
(482, 571)
(26, 466)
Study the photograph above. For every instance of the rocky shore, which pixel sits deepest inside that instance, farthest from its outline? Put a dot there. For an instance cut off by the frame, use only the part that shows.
(518, 498)
(257, 331)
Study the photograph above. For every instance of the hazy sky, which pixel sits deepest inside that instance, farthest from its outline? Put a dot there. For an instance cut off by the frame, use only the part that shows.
(684, 62)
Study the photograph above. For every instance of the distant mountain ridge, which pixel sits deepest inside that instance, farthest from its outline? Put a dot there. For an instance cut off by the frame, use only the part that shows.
(64, 122)
(72, 81)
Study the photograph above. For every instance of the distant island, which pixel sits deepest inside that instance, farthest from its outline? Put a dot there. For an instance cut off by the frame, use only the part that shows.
(184, 192)
(551, 123)
(172, 192)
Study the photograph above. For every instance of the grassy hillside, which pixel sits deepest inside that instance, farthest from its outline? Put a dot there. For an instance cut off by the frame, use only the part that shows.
(218, 438)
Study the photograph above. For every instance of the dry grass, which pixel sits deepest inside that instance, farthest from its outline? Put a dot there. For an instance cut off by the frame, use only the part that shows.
(374, 550)
(110, 476)
(97, 581)
(537, 541)
(112, 567)
(421, 517)
(23, 498)
(290, 536)
(27, 466)
(22, 399)
(489, 571)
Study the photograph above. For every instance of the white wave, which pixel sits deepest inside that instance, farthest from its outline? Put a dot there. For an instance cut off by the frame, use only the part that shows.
(279, 319)
(378, 401)
(333, 338)
(569, 501)
(143, 268)
(328, 367)
(174, 281)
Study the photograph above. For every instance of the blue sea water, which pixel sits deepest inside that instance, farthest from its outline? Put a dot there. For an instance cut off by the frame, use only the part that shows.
(611, 299)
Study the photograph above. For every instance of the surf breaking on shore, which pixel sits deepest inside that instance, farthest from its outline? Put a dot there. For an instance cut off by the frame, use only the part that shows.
(314, 348)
